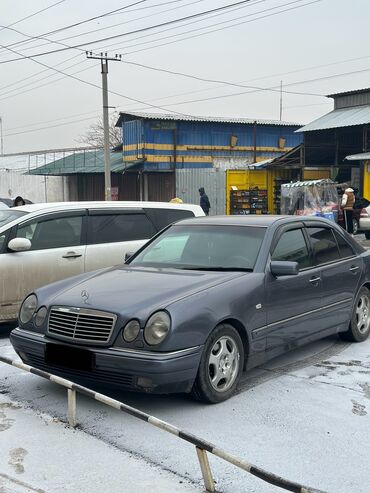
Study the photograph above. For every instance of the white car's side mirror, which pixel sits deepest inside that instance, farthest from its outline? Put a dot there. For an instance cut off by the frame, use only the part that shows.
(19, 245)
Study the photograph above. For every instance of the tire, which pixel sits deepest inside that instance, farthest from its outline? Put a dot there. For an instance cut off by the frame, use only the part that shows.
(359, 326)
(223, 348)
(367, 235)
(355, 226)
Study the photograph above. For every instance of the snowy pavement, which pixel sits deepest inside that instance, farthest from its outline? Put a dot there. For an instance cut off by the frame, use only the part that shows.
(304, 416)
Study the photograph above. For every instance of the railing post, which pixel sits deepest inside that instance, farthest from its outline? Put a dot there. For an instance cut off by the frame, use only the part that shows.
(206, 470)
(72, 408)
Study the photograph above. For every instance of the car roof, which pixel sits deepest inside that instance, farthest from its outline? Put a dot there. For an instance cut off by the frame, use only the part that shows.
(62, 206)
(265, 220)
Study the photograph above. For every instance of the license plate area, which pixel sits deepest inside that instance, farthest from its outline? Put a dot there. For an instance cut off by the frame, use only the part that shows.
(69, 357)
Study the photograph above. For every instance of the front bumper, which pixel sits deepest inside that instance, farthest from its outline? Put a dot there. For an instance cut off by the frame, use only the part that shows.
(127, 369)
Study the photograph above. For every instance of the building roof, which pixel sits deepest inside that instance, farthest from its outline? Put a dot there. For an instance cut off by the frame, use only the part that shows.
(344, 117)
(349, 93)
(362, 156)
(81, 162)
(124, 116)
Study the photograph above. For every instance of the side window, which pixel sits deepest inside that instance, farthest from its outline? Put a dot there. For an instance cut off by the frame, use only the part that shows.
(345, 248)
(323, 244)
(292, 247)
(58, 232)
(112, 228)
(163, 217)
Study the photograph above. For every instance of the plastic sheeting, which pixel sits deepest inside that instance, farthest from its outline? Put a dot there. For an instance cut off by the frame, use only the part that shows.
(310, 198)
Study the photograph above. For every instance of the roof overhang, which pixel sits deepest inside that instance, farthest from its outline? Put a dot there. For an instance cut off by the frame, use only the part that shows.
(344, 117)
(362, 156)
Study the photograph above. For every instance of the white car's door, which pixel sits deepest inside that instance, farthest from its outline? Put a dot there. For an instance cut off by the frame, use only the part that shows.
(113, 233)
(57, 252)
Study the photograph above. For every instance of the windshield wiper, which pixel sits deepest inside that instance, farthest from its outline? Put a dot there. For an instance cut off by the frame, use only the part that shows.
(217, 268)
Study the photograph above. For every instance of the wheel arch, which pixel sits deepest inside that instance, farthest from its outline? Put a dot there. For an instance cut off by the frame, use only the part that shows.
(242, 331)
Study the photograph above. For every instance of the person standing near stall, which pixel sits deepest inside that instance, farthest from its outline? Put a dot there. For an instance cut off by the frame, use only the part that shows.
(348, 201)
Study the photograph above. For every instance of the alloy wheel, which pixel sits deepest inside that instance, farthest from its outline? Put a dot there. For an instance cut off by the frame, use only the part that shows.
(223, 363)
(363, 314)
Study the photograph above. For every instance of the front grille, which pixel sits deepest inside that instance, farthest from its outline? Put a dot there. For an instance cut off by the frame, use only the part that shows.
(79, 324)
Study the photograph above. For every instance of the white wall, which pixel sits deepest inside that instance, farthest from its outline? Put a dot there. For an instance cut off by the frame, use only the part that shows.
(33, 187)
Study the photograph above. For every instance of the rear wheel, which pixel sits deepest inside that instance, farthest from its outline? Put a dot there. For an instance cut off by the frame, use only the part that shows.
(221, 365)
(367, 235)
(359, 327)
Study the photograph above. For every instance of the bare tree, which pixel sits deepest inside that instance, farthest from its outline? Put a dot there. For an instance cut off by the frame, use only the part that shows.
(94, 135)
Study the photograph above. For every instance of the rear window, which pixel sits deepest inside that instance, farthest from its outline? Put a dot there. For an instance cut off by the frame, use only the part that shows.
(163, 217)
(8, 215)
(112, 228)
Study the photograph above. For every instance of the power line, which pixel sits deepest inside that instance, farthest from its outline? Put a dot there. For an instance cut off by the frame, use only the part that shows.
(90, 19)
(219, 29)
(20, 43)
(32, 15)
(144, 29)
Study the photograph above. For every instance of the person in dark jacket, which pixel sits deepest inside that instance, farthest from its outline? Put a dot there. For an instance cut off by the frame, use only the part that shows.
(204, 201)
(18, 201)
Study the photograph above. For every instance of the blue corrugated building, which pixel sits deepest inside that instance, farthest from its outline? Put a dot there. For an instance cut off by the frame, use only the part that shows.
(165, 142)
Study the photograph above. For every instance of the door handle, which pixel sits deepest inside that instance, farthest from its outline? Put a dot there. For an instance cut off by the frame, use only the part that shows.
(314, 280)
(354, 268)
(72, 255)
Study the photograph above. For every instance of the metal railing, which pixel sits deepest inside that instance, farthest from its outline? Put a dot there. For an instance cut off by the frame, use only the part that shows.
(202, 446)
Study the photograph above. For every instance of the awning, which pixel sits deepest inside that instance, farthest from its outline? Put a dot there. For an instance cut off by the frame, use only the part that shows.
(345, 117)
(363, 156)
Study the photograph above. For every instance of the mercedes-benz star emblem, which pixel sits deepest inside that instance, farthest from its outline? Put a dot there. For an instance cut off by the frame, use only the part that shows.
(85, 295)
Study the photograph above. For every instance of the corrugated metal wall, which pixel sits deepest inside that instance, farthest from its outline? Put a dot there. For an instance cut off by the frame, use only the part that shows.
(188, 182)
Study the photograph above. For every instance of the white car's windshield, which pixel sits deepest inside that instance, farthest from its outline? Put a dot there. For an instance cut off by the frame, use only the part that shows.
(204, 247)
(8, 215)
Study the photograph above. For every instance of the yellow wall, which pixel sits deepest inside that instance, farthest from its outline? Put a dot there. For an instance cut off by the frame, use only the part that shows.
(366, 184)
(244, 180)
(316, 174)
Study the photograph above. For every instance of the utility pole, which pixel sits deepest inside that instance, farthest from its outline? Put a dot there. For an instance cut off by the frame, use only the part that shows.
(1, 136)
(103, 57)
(281, 100)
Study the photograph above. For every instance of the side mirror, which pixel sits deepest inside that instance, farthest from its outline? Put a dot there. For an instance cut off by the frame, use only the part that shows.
(128, 255)
(284, 268)
(19, 245)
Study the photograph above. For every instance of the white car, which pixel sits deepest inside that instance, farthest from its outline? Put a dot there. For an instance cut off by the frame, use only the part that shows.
(364, 223)
(43, 243)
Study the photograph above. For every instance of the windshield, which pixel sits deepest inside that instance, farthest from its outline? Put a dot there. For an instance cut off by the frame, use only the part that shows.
(8, 215)
(204, 248)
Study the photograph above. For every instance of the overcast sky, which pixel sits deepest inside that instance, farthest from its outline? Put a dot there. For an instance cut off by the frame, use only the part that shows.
(304, 40)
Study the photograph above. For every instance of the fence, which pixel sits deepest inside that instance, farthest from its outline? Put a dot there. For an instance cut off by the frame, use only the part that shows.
(201, 446)
(188, 182)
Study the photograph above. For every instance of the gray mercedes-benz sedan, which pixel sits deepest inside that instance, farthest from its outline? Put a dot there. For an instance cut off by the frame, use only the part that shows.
(200, 302)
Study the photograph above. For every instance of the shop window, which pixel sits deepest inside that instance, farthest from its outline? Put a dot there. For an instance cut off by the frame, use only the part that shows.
(292, 247)
(324, 245)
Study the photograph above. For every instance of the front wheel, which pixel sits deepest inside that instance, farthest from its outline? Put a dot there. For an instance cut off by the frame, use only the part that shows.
(221, 365)
(355, 226)
(359, 327)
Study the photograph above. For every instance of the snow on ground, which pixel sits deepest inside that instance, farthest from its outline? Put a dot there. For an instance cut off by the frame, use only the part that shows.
(305, 416)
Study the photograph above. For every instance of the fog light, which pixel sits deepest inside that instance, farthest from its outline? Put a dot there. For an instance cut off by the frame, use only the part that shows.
(145, 382)
(131, 331)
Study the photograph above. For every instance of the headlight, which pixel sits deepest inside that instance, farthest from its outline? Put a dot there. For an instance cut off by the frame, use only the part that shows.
(131, 331)
(40, 316)
(157, 328)
(28, 309)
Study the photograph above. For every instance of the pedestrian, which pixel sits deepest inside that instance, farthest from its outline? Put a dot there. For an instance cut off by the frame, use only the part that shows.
(18, 201)
(204, 201)
(348, 201)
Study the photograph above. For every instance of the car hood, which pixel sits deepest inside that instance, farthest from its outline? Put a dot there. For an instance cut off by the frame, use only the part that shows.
(133, 290)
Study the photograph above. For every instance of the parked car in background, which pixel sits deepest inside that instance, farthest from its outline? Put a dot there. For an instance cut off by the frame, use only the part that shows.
(3, 205)
(42, 243)
(9, 201)
(203, 300)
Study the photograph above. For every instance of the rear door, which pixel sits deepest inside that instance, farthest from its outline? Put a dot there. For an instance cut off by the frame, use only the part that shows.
(340, 272)
(57, 251)
(293, 302)
(113, 233)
